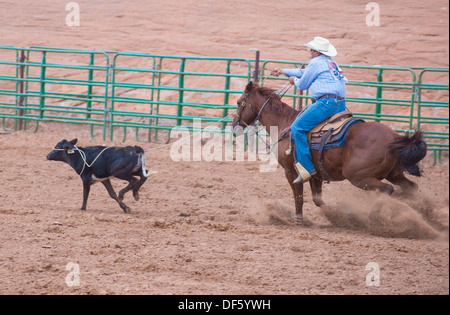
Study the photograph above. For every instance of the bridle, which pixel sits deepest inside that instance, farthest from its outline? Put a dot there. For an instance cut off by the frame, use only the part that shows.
(244, 103)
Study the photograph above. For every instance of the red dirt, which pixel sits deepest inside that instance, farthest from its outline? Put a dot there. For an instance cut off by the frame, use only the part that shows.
(209, 227)
(218, 227)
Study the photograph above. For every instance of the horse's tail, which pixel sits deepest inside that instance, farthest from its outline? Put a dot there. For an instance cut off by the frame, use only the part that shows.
(409, 151)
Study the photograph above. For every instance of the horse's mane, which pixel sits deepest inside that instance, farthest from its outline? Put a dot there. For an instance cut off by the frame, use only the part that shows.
(276, 102)
(270, 93)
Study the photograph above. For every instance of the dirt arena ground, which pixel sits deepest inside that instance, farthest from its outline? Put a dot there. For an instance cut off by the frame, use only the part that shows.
(209, 228)
(219, 227)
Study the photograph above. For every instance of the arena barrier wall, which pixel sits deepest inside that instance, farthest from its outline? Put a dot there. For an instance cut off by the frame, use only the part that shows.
(150, 94)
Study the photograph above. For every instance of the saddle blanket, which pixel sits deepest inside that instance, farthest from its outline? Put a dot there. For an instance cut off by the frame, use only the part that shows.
(336, 140)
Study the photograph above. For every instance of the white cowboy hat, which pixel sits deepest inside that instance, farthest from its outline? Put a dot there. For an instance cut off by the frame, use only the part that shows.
(323, 46)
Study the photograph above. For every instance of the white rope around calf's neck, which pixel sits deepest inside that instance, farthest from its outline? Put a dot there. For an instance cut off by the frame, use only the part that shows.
(83, 156)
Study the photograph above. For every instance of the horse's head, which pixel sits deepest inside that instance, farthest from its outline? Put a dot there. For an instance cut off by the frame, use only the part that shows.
(245, 114)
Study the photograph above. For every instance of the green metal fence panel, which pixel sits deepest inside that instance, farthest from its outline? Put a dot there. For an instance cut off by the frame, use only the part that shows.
(61, 85)
(397, 102)
(155, 93)
(433, 109)
(9, 88)
(394, 100)
(164, 94)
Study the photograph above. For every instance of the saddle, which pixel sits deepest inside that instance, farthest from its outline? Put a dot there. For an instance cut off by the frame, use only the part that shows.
(329, 134)
(333, 127)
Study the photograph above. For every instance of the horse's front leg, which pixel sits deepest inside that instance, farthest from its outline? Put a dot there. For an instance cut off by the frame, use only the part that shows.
(316, 189)
(297, 189)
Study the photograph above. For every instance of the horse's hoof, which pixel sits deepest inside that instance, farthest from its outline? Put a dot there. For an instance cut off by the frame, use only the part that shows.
(318, 201)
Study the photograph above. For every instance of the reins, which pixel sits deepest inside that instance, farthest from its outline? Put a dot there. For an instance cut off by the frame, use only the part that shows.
(281, 92)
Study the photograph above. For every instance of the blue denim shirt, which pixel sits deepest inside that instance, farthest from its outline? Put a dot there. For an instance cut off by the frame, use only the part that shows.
(321, 76)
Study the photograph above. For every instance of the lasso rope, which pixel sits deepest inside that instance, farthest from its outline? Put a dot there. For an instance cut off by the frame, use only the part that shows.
(83, 156)
(194, 133)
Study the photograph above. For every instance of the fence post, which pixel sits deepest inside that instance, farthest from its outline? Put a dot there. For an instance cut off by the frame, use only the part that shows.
(226, 97)
(180, 93)
(21, 85)
(109, 110)
(415, 97)
(379, 95)
(42, 89)
(300, 99)
(158, 97)
(256, 73)
(155, 74)
(89, 95)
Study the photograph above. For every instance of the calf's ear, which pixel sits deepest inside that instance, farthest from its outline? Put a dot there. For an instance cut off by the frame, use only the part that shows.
(74, 141)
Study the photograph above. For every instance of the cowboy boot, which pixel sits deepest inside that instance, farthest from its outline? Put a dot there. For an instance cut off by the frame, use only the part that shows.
(303, 174)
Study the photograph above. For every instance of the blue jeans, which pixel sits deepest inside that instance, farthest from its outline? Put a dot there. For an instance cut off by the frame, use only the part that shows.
(311, 117)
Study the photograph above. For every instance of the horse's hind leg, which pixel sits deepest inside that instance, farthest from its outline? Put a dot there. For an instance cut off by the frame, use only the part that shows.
(397, 177)
(371, 183)
(367, 176)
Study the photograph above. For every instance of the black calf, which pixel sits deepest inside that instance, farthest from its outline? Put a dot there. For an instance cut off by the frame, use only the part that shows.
(100, 163)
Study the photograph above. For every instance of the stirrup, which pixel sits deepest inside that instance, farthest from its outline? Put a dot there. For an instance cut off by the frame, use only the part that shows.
(303, 174)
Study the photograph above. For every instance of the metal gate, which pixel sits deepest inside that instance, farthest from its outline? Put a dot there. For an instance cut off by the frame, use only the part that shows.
(115, 92)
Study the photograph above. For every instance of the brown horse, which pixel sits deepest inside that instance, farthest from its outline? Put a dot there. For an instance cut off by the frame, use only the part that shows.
(371, 152)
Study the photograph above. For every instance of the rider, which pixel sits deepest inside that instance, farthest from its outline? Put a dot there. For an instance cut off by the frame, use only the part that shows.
(327, 86)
